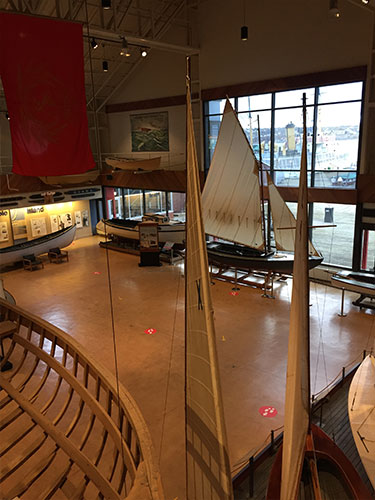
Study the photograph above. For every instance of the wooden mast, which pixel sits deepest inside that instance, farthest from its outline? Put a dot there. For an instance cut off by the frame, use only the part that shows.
(265, 230)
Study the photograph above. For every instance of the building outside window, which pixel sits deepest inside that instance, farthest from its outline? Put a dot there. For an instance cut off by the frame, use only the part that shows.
(333, 122)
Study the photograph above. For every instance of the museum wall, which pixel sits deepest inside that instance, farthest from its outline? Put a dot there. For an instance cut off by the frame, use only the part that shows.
(286, 38)
(121, 140)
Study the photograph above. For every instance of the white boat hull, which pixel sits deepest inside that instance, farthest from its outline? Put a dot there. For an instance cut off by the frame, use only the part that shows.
(38, 246)
(361, 410)
(170, 231)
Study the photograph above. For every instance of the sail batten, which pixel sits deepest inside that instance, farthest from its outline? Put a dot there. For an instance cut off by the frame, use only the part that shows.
(297, 398)
(231, 197)
(207, 463)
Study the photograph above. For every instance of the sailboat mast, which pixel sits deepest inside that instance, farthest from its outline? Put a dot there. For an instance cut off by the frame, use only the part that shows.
(305, 235)
(208, 475)
(265, 239)
(297, 394)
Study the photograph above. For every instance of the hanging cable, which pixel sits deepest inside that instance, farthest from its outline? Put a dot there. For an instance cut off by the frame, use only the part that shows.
(169, 366)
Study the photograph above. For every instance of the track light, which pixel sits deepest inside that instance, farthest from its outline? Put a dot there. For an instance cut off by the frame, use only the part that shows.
(7, 115)
(333, 8)
(244, 33)
(144, 52)
(124, 49)
(105, 66)
(93, 43)
(106, 4)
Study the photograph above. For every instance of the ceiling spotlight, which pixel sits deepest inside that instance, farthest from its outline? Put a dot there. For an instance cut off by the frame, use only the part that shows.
(106, 4)
(93, 43)
(365, 1)
(144, 52)
(105, 66)
(244, 33)
(333, 8)
(7, 115)
(124, 49)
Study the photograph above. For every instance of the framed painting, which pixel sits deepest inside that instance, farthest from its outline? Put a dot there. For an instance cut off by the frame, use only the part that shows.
(150, 132)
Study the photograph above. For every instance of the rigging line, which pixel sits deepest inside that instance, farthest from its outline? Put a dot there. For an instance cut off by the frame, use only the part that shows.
(169, 364)
(114, 343)
(320, 323)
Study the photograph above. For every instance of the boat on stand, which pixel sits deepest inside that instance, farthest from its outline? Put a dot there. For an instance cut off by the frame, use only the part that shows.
(234, 212)
(308, 463)
(37, 246)
(169, 230)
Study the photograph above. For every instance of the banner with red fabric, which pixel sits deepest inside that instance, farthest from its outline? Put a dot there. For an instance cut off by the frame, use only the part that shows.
(41, 67)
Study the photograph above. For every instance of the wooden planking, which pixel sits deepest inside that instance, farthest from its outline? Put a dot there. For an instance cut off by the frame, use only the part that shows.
(97, 381)
(86, 397)
(62, 442)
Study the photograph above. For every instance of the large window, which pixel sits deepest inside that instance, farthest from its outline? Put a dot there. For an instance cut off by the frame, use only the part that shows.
(333, 121)
(126, 203)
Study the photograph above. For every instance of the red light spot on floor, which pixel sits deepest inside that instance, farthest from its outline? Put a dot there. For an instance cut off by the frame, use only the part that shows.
(97, 272)
(150, 331)
(268, 411)
(233, 293)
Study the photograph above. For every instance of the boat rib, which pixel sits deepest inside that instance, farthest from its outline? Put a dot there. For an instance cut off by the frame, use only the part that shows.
(64, 431)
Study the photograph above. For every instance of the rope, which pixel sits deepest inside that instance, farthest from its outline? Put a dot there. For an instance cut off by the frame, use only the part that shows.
(114, 343)
(169, 366)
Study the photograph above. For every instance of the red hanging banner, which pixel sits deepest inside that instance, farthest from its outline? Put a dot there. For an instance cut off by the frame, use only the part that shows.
(41, 67)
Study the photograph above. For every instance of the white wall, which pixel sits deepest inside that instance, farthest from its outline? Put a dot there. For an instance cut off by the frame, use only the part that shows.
(287, 37)
(119, 130)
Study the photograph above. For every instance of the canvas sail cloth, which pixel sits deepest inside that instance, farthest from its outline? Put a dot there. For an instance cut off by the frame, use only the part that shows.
(231, 195)
(282, 217)
(297, 398)
(41, 67)
(207, 464)
(361, 410)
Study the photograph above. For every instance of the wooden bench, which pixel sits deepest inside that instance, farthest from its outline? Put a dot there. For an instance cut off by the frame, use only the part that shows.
(30, 262)
(57, 255)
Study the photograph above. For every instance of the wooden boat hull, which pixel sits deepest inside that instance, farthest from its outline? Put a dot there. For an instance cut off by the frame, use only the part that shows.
(245, 258)
(53, 180)
(170, 231)
(67, 430)
(325, 451)
(148, 164)
(361, 411)
(61, 239)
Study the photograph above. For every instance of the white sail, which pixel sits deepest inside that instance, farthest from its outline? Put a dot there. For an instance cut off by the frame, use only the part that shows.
(361, 410)
(282, 217)
(297, 398)
(231, 197)
(207, 467)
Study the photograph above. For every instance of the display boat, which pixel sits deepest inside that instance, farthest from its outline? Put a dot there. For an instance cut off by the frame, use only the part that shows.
(234, 209)
(308, 464)
(172, 231)
(37, 246)
(68, 430)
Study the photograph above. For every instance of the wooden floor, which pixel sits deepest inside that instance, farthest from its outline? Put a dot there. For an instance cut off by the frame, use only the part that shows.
(252, 334)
